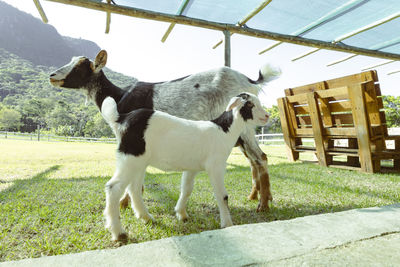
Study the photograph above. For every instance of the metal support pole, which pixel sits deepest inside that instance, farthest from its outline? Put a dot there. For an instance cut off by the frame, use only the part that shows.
(227, 48)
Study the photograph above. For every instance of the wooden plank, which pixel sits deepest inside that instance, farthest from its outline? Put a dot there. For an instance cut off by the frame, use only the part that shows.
(335, 92)
(333, 83)
(343, 106)
(287, 129)
(304, 121)
(304, 132)
(326, 113)
(343, 149)
(317, 129)
(351, 79)
(372, 104)
(341, 132)
(291, 114)
(353, 144)
(357, 99)
(345, 167)
(396, 162)
(343, 120)
(298, 99)
(305, 89)
(41, 11)
(304, 148)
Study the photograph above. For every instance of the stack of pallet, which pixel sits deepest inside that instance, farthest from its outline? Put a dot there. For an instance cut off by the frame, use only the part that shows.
(346, 120)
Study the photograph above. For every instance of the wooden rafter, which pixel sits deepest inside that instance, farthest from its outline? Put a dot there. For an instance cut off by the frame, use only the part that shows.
(378, 65)
(334, 14)
(41, 11)
(393, 72)
(358, 31)
(248, 17)
(181, 9)
(108, 19)
(139, 13)
(378, 46)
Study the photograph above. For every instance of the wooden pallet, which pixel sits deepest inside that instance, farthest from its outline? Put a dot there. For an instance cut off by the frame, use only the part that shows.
(348, 108)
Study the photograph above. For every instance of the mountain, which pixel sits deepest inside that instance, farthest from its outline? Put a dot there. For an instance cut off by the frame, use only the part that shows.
(31, 39)
(29, 51)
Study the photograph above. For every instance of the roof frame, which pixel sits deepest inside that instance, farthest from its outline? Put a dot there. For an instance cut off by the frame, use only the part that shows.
(249, 16)
(41, 11)
(332, 15)
(355, 32)
(182, 8)
(146, 14)
(379, 46)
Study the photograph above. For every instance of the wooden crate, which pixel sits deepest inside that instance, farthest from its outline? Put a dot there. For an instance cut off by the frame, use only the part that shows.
(349, 108)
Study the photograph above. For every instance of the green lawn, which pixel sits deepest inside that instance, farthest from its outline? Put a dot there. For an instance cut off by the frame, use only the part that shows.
(52, 196)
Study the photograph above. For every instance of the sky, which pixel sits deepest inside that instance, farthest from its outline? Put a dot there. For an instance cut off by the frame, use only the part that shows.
(134, 48)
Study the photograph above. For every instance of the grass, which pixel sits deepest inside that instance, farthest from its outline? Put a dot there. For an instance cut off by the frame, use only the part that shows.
(52, 196)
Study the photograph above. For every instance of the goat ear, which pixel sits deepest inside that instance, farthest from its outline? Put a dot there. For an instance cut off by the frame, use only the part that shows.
(235, 101)
(100, 61)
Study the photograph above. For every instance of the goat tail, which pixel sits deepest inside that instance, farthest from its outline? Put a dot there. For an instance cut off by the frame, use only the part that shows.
(268, 73)
(109, 110)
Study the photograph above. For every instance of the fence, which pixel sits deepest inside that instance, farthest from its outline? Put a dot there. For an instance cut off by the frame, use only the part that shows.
(267, 139)
(52, 138)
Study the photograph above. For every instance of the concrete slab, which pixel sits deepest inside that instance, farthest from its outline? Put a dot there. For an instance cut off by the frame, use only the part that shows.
(343, 238)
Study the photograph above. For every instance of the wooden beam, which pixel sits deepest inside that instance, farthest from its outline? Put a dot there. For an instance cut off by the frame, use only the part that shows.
(287, 130)
(378, 65)
(393, 72)
(334, 14)
(172, 25)
(108, 19)
(312, 51)
(368, 27)
(378, 46)
(41, 11)
(340, 60)
(362, 126)
(358, 31)
(318, 129)
(145, 14)
(248, 17)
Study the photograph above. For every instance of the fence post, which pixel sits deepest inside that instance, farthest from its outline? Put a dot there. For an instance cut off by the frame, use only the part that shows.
(38, 132)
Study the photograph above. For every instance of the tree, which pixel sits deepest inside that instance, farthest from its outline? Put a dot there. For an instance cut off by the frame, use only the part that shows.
(97, 127)
(274, 122)
(10, 119)
(392, 110)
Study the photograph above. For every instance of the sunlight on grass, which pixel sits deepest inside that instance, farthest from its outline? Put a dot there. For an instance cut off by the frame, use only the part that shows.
(52, 196)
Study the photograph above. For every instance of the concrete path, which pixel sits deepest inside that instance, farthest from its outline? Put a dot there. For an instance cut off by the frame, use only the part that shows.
(361, 237)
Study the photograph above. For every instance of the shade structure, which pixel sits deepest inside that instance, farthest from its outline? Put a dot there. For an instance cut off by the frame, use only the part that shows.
(364, 27)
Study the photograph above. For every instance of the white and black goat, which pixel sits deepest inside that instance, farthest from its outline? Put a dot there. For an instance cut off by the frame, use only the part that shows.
(201, 96)
(147, 137)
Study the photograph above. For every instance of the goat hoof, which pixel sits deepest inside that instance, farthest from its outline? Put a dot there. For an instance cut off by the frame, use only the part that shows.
(262, 207)
(225, 225)
(253, 196)
(147, 218)
(122, 237)
(182, 218)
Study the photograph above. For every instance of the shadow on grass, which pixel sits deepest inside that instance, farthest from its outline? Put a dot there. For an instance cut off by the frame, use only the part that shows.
(23, 183)
(67, 213)
(342, 181)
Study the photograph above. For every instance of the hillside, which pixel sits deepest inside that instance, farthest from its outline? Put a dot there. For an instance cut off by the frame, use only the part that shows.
(29, 51)
(31, 39)
(25, 89)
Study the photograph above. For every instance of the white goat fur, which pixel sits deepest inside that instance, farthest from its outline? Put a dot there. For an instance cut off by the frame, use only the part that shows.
(172, 143)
